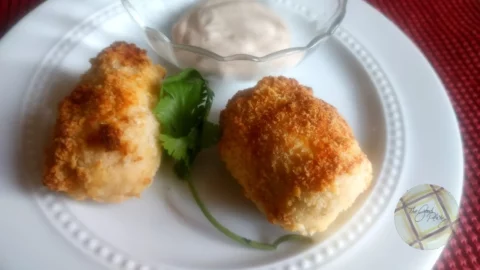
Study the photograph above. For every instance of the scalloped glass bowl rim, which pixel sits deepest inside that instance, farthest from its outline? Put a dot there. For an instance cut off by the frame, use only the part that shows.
(332, 23)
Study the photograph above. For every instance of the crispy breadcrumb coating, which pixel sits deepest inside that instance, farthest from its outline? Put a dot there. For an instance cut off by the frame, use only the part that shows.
(105, 144)
(294, 155)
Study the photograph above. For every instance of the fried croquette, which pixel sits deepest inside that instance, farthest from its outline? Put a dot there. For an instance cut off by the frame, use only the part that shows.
(294, 155)
(105, 143)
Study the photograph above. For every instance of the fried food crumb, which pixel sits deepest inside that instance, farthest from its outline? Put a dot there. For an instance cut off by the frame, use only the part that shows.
(105, 142)
(294, 155)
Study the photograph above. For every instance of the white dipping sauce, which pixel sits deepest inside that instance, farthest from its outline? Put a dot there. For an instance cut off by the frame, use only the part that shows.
(229, 27)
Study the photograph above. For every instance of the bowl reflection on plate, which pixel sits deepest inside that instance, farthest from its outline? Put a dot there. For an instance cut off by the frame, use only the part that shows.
(307, 28)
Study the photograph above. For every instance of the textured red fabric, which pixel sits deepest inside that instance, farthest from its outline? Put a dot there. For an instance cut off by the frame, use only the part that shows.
(448, 33)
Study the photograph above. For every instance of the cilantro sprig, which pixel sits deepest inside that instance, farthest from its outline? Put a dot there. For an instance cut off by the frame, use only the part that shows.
(183, 108)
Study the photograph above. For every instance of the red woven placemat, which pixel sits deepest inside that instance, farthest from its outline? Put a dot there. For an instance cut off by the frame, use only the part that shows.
(448, 33)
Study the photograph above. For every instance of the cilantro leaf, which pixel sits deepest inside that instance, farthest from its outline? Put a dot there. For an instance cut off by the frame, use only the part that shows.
(182, 103)
(177, 148)
(184, 106)
(208, 95)
(182, 150)
(182, 169)
(210, 135)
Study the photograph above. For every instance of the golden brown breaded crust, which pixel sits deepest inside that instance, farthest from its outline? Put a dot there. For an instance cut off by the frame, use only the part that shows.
(279, 142)
(96, 124)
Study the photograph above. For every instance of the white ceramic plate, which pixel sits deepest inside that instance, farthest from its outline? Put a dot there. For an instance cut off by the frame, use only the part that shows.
(370, 71)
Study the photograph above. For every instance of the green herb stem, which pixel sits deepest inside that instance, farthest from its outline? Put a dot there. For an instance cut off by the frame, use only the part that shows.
(240, 239)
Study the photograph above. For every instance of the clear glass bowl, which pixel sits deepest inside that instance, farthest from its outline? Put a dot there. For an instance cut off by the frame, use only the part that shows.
(309, 22)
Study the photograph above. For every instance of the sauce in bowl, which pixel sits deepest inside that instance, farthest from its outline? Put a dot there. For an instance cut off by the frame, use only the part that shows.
(229, 27)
